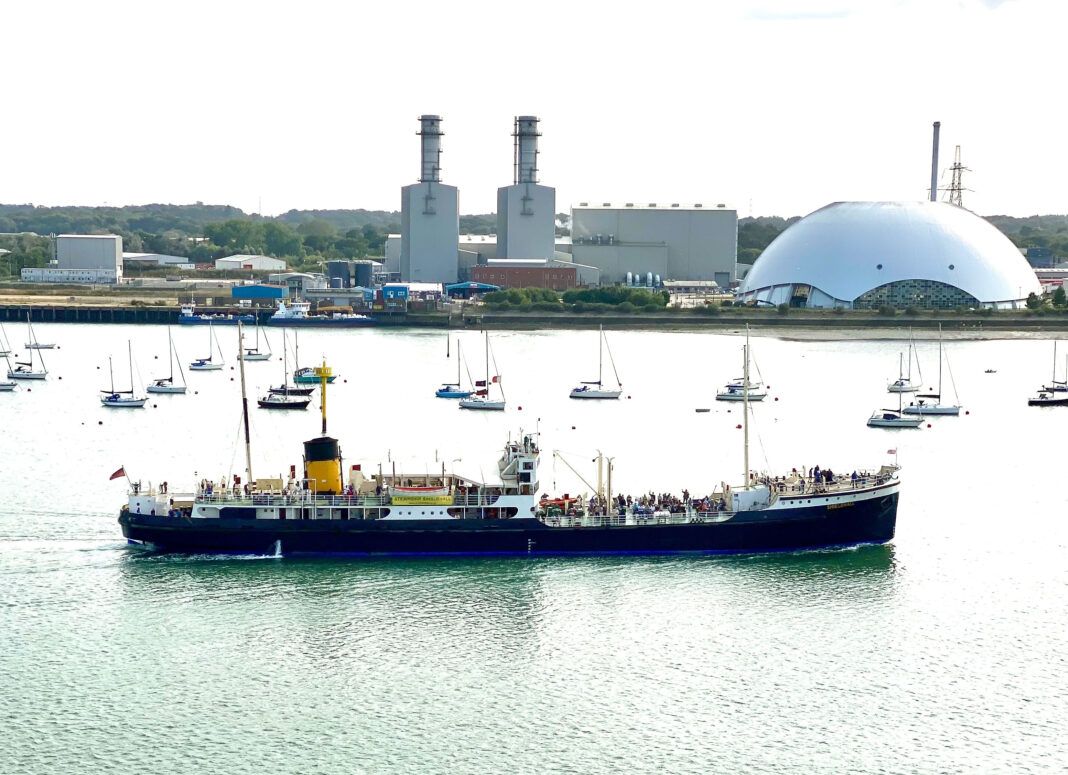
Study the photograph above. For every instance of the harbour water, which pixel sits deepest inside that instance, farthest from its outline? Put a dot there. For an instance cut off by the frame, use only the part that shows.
(944, 651)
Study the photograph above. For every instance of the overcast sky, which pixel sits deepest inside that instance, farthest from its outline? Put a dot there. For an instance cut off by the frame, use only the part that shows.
(775, 107)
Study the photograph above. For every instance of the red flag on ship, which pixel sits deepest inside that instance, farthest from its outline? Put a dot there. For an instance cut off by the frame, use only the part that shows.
(495, 378)
(117, 474)
(891, 451)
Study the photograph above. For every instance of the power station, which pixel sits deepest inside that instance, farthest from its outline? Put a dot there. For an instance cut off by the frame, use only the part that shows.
(430, 215)
(526, 211)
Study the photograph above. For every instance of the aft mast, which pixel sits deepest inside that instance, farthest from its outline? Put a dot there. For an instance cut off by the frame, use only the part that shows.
(244, 400)
(745, 404)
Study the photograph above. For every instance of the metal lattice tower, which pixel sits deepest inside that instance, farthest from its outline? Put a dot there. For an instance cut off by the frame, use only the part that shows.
(954, 194)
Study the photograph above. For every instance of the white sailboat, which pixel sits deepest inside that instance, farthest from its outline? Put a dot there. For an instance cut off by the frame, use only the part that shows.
(166, 384)
(5, 343)
(253, 353)
(481, 399)
(923, 405)
(736, 389)
(1056, 385)
(7, 386)
(122, 399)
(904, 383)
(207, 364)
(597, 389)
(891, 418)
(455, 389)
(25, 369)
(33, 344)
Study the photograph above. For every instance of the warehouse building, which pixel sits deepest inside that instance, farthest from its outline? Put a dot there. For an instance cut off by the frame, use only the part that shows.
(255, 263)
(678, 242)
(82, 258)
(534, 273)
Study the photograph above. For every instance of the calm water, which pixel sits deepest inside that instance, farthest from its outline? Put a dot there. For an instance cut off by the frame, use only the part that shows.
(942, 652)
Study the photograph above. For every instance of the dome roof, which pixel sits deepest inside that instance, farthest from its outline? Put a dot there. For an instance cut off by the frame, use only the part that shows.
(848, 248)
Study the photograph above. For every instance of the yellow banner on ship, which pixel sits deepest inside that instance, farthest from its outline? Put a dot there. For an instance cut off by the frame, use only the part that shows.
(422, 500)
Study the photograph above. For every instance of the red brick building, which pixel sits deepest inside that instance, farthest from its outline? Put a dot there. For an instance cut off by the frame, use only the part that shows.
(554, 276)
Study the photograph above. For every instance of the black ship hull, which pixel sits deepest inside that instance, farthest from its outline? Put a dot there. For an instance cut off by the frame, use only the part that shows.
(870, 521)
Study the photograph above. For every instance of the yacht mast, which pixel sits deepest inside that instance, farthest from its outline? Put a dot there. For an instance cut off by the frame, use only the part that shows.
(600, 354)
(129, 351)
(244, 399)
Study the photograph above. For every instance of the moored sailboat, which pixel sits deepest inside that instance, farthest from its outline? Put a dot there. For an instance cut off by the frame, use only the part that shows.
(285, 397)
(480, 399)
(25, 370)
(208, 363)
(122, 399)
(455, 389)
(167, 384)
(924, 405)
(743, 388)
(597, 389)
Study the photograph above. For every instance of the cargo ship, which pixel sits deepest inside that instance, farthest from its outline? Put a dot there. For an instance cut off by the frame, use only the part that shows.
(391, 513)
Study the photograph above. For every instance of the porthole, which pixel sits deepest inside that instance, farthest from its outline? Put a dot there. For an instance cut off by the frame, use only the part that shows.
(878, 266)
(951, 266)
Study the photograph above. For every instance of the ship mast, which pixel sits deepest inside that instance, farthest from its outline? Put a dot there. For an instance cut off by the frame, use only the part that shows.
(244, 399)
(745, 404)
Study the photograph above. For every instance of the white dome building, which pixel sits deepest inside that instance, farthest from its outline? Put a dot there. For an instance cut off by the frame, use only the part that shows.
(906, 254)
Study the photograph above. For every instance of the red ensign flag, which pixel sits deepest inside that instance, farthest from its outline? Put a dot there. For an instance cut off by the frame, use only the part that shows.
(117, 474)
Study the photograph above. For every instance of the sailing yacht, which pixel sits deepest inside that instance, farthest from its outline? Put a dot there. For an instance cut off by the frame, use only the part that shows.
(904, 383)
(455, 389)
(923, 406)
(166, 384)
(285, 397)
(597, 389)
(5, 343)
(122, 398)
(1056, 393)
(24, 369)
(6, 386)
(253, 353)
(207, 364)
(894, 418)
(735, 390)
(481, 399)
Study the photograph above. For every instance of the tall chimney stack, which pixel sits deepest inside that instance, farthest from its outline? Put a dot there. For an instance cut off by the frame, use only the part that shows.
(934, 163)
(526, 149)
(430, 149)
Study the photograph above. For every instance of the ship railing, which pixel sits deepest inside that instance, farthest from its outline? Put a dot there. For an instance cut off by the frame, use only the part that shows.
(302, 498)
(635, 518)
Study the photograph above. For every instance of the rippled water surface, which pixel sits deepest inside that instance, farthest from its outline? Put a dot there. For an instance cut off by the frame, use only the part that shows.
(941, 652)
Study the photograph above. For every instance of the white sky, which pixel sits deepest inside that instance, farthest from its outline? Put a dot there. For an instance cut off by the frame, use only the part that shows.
(776, 107)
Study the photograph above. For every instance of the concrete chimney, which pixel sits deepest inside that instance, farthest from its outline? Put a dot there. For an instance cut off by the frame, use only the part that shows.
(526, 149)
(430, 149)
(934, 163)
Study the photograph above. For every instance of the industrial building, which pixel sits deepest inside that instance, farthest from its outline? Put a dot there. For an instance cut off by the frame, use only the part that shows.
(430, 215)
(526, 211)
(82, 258)
(679, 242)
(534, 273)
(346, 274)
(255, 263)
(298, 283)
(862, 255)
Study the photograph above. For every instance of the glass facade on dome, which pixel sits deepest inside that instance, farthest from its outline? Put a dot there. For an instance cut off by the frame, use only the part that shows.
(924, 294)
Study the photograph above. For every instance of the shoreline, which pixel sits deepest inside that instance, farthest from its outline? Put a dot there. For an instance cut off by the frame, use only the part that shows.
(797, 324)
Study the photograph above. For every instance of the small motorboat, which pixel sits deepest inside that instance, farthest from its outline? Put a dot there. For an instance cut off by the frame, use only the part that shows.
(889, 418)
(991, 371)
(292, 390)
